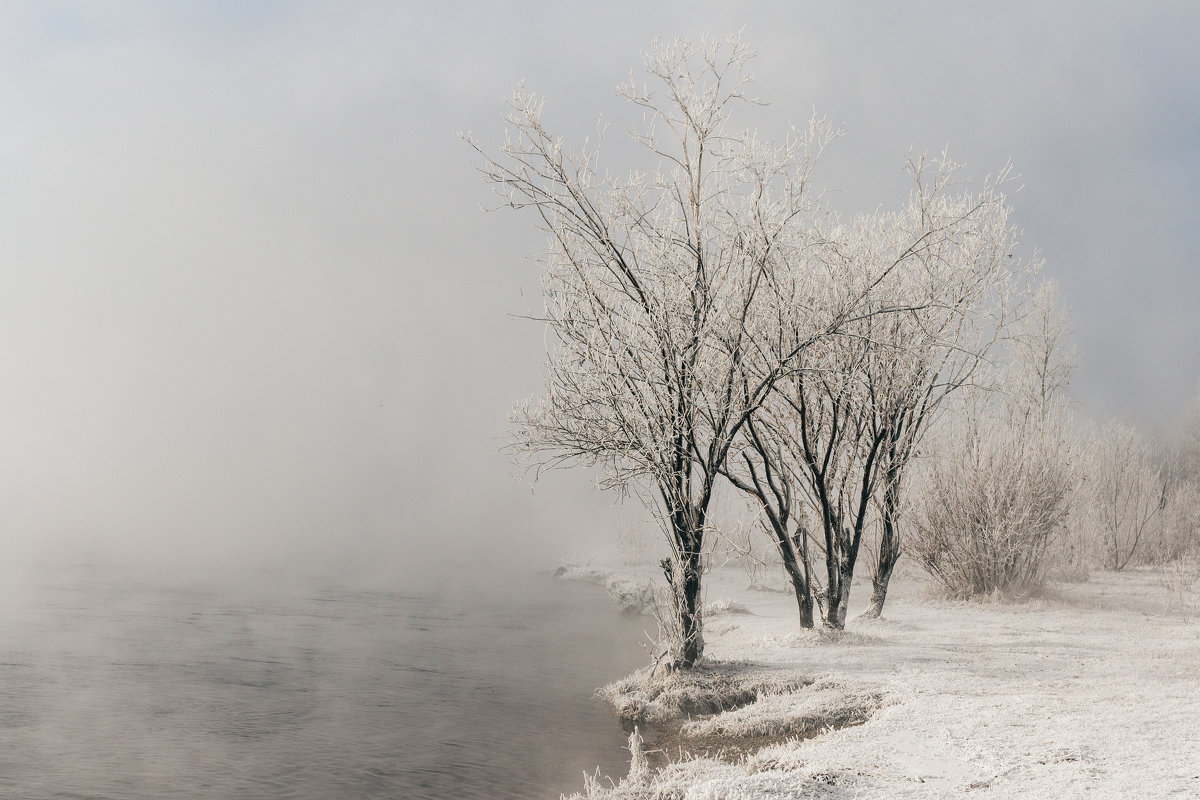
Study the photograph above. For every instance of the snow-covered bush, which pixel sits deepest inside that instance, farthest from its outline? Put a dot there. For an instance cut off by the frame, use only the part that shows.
(998, 489)
(1071, 556)
(1177, 541)
(1179, 566)
(1176, 528)
(1124, 494)
(994, 499)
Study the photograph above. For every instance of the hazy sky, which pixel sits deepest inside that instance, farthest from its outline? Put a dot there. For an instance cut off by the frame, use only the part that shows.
(252, 308)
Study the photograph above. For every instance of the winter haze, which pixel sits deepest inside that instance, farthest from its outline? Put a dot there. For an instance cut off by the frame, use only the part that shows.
(253, 310)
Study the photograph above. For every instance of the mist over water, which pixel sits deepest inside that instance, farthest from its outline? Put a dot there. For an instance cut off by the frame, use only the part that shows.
(120, 682)
(256, 355)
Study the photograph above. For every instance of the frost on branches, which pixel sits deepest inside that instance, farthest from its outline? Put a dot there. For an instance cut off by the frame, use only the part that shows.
(707, 309)
(830, 448)
(998, 489)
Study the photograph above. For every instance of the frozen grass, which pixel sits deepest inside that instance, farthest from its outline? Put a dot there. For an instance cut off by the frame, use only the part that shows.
(660, 696)
(1091, 691)
(825, 704)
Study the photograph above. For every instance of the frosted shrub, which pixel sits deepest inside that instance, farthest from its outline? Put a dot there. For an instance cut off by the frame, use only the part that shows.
(1181, 578)
(993, 503)
(1070, 555)
(998, 491)
(1175, 528)
(1181, 521)
(1124, 494)
(1179, 565)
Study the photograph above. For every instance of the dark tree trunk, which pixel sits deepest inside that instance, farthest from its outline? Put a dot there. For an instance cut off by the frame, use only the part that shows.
(879, 586)
(691, 614)
(800, 584)
(793, 551)
(833, 592)
(889, 554)
(840, 568)
(775, 496)
(836, 617)
(683, 578)
(833, 574)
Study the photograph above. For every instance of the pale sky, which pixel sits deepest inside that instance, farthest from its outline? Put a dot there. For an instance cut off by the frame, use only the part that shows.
(252, 308)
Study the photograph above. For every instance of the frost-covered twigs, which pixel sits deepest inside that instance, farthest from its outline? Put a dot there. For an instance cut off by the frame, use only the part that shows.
(998, 487)
(993, 502)
(827, 454)
(655, 289)
(1181, 577)
(1125, 494)
(1179, 568)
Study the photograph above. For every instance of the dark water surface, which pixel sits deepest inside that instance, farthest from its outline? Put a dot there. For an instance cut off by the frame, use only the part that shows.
(119, 683)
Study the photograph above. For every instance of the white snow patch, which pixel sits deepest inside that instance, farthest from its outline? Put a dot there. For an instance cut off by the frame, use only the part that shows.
(1091, 692)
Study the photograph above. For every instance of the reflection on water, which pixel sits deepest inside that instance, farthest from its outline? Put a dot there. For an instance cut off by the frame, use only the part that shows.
(117, 684)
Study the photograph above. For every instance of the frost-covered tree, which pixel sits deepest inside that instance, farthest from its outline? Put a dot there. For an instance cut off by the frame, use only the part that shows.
(827, 452)
(1125, 493)
(1045, 359)
(664, 290)
(925, 357)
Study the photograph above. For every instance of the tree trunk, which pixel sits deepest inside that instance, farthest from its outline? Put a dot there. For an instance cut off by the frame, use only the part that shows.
(833, 596)
(793, 551)
(800, 585)
(683, 577)
(691, 615)
(833, 573)
(837, 598)
(889, 554)
(879, 587)
(837, 612)
(841, 576)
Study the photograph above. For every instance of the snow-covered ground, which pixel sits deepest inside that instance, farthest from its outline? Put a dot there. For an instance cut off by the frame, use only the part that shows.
(1092, 691)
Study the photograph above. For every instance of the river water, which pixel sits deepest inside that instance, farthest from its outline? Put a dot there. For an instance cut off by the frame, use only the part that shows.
(122, 683)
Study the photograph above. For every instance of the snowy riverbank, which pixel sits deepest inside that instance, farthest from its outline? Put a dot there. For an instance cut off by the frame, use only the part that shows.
(1092, 691)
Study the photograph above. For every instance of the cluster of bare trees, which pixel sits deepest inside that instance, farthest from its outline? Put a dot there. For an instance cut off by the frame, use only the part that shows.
(827, 455)
(712, 321)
